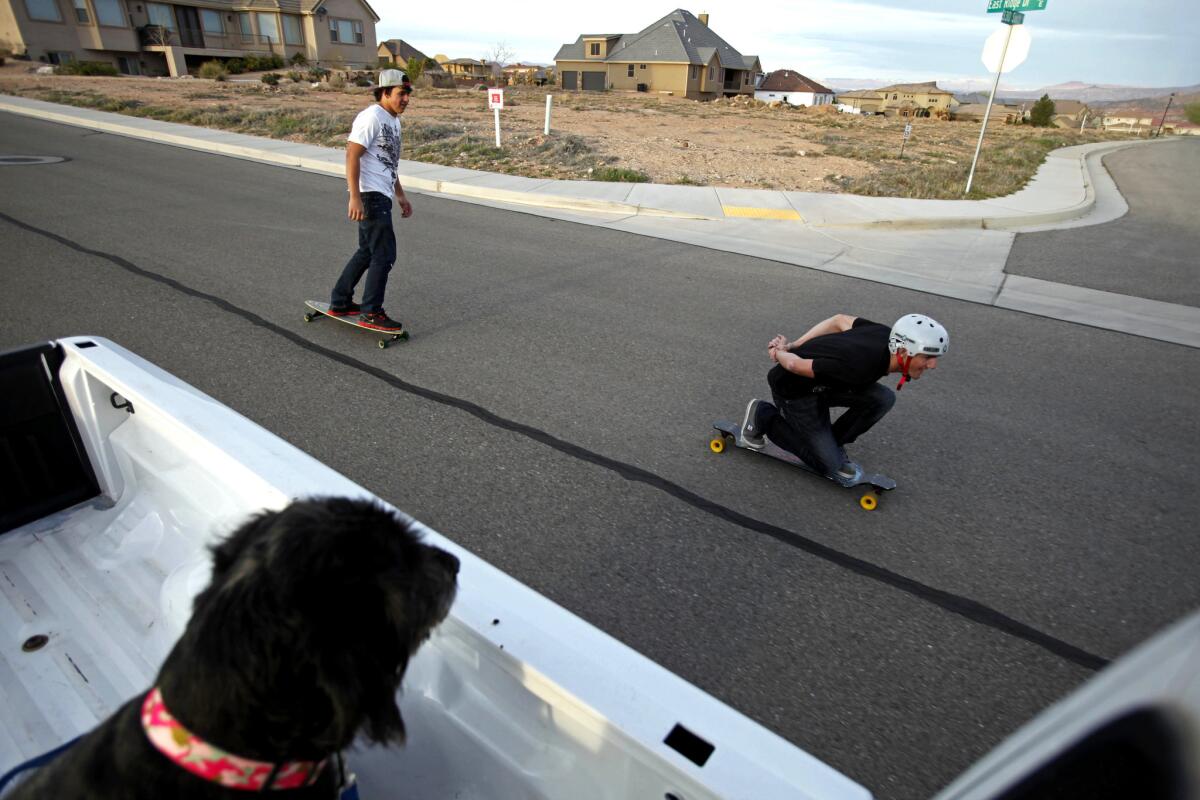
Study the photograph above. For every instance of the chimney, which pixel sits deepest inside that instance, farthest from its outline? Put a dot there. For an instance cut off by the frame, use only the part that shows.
(704, 19)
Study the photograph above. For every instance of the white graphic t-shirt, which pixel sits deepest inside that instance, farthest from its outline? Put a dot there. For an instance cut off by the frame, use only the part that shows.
(379, 132)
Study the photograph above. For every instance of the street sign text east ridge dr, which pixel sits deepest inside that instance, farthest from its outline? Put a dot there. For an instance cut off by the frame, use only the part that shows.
(995, 6)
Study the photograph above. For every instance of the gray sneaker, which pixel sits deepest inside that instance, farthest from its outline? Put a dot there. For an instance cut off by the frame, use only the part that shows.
(751, 435)
(849, 472)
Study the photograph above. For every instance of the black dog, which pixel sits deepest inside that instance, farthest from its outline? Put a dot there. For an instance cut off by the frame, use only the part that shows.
(299, 643)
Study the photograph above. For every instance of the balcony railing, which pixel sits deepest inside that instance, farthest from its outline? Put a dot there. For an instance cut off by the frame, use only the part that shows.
(158, 35)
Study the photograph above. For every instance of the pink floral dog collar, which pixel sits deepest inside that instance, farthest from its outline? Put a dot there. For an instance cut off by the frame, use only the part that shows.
(212, 763)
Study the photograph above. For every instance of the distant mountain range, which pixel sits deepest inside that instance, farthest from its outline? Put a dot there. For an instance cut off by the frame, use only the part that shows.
(1090, 93)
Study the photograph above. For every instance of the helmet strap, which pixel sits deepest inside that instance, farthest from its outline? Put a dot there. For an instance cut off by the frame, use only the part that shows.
(904, 362)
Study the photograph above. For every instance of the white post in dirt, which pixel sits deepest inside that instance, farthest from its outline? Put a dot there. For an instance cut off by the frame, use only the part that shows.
(496, 102)
(988, 112)
(1085, 116)
(546, 130)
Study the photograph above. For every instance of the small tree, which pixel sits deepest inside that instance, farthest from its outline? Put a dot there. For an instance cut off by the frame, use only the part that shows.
(415, 67)
(1042, 112)
(1192, 112)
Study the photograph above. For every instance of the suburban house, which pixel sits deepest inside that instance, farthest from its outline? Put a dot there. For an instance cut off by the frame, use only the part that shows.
(397, 53)
(973, 112)
(679, 54)
(523, 73)
(148, 38)
(901, 99)
(860, 101)
(465, 70)
(1069, 113)
(1128, 121)
(784, 85)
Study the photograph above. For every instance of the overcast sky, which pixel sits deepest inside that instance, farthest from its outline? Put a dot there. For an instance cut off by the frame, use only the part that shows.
(1127, 42)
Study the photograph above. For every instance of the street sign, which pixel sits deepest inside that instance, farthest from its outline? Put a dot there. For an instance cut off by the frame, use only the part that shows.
(1016, 52)
(907, 129)
(1012, 18)
(996, 6)
(495, 98)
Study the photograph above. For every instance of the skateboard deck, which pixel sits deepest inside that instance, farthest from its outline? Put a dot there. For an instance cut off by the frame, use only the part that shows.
(320, 309)
(729, 433)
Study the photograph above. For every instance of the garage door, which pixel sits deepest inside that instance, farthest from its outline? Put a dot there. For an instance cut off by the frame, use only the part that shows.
(593, 81)
(568, 78)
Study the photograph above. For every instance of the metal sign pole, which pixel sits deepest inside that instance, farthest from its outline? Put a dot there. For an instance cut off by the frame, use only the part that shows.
(497, 110)
(546, 131)
(988, 112)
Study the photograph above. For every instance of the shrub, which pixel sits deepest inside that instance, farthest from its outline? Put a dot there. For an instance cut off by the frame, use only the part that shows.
(362, 80)
(318, 74)
(213, 70)
(1042, 112)
(295, 76)
(88, 68)
(235, 66)
(619, 175)
(271, 78)
(299, 60)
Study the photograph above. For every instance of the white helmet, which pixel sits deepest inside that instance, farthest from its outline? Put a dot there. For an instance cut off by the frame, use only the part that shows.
(919, 336)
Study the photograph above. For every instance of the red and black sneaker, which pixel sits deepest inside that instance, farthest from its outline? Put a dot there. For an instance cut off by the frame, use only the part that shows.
(379, 321)
(345, 310)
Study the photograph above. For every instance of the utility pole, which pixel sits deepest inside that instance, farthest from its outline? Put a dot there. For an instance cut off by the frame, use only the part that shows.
(1164, 116)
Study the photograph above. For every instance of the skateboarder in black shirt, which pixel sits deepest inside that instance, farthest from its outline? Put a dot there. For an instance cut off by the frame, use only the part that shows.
(837, 364)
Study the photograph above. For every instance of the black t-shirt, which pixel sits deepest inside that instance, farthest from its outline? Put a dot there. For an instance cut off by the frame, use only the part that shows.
(852, 359)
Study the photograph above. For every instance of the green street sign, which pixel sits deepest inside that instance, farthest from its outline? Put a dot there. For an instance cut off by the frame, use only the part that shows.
(1012, 18)
(996, 6)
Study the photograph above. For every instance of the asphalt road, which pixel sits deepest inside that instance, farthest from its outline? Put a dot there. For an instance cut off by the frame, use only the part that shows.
(552, 413)
(1152, 252)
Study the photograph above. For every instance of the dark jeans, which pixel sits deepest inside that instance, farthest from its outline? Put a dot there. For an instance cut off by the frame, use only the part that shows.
(375, 255)
(802, 425)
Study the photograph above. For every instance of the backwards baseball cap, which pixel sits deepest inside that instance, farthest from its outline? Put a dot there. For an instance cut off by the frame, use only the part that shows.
(393, 77)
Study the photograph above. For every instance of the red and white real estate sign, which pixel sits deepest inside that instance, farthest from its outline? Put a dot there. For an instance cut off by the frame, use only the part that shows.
(495, 98)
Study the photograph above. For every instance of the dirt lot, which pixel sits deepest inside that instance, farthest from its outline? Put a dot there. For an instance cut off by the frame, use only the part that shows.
(600, 135)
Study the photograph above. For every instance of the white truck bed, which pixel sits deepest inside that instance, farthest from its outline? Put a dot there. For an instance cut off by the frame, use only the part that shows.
(513, 697)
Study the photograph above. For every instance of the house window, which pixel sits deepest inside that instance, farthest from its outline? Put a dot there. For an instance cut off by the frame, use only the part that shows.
(108, 12)
(293, 33)
(345, 31)
(695, 69)
(711, 72)
(43, 10)
(630, 75)
(210, 21)
(161, 15)
(595, 48)
(642, 66)
(60, 56)
(268, 27)
(81, 12)
(893, 97)
(244, 26)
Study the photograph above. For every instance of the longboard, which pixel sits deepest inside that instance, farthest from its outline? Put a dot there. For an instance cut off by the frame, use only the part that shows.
(728, 433)
(320, 309)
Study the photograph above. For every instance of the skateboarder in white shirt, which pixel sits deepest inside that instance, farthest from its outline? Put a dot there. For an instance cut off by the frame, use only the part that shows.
(837, 363)
(372, 161)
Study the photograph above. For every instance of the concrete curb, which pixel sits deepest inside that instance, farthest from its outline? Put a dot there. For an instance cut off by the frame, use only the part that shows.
(847, 212)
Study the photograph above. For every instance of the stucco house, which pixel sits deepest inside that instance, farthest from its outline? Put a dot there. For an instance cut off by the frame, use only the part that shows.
(465, 70)
(790, 87)
(900, 100)
(150, 38)
(397, 53)
(973, 112)
(678, 54)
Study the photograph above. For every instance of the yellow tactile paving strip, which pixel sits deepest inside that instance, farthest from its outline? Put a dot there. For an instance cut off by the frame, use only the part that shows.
(761, 213)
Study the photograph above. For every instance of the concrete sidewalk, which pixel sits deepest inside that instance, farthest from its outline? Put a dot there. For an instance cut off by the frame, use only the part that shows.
(955, 248)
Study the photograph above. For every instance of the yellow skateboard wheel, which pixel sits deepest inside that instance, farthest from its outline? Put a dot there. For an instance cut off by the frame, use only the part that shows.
(868, 502)
(717, 444)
